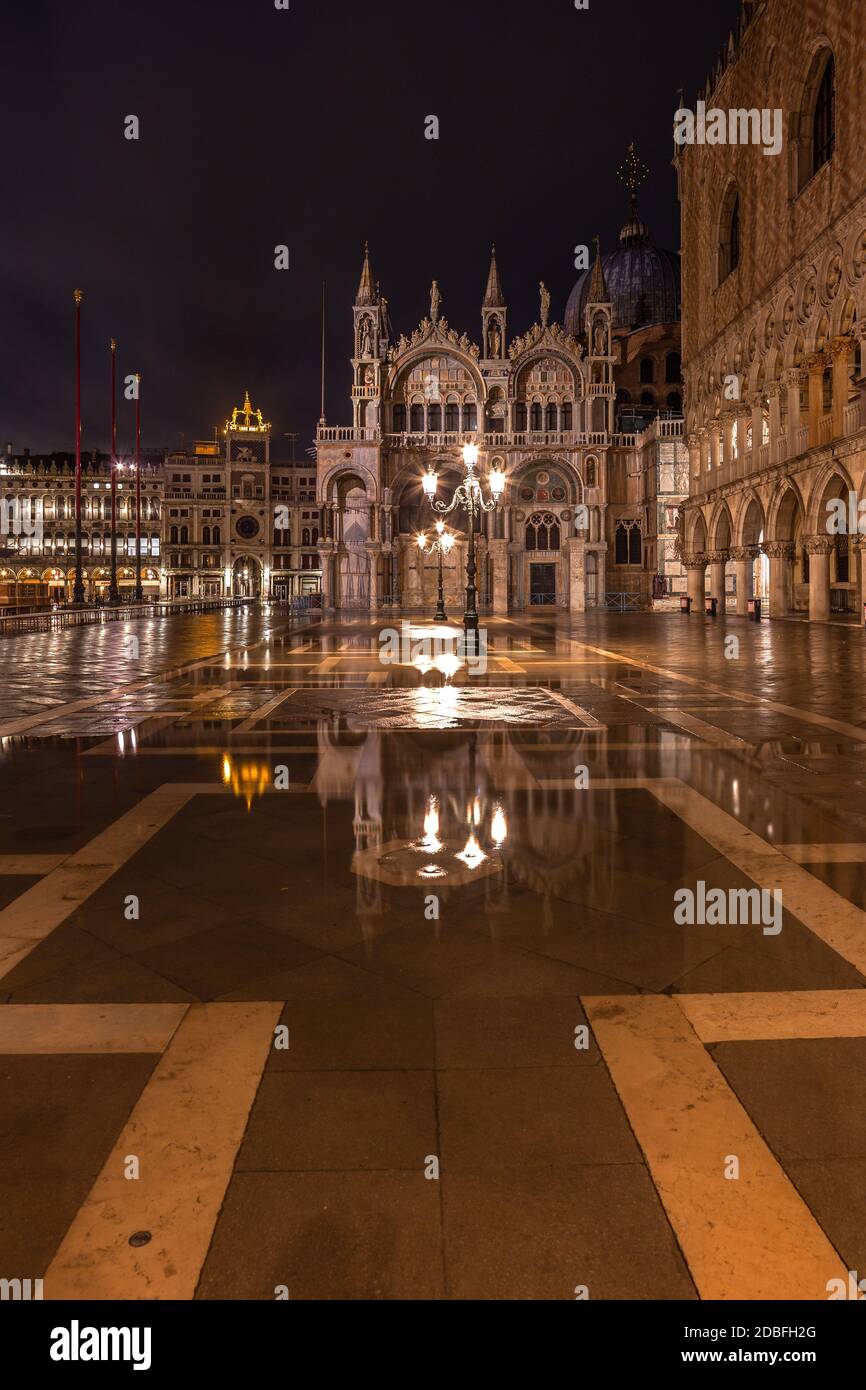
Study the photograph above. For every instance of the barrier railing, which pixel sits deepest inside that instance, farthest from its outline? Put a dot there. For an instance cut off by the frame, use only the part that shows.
(623, 603)
(55, 620)
(300, 603)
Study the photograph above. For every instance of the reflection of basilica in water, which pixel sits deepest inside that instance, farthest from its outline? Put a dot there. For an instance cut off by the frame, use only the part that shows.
(452, 811)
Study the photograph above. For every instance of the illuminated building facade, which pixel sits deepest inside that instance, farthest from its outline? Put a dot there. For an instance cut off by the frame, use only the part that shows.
(37, 527)
(219, 519)
(774, 318)
(236, 522)
(578, 524)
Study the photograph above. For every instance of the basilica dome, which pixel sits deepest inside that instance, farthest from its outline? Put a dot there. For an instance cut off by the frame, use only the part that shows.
(643, 283)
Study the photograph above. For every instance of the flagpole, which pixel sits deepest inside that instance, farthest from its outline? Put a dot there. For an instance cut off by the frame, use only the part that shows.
(139, 592)
(113, 592)
(78, 588)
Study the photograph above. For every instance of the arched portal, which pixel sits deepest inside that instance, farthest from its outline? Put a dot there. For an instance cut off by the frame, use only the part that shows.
(418, 576)
(833, 558)
(353, 563)
(247, 577)
(789, 563)
(752, 537)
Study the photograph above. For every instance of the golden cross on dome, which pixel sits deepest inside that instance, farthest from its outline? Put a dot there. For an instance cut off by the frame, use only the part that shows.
(633, 172)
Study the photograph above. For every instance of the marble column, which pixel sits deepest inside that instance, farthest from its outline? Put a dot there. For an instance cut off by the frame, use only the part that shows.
(326, 560)
(412, 561)
(703, 438)
(857, 551)
(696, 571)
(773, 397)
(781, 557)
(744, 557)
(819, 550)
(793, 381)
(718, 434)
(375, 587)
(694, 446)
(576, 549)
(741, 424)
(718, 560)
(840, 352)
(756, 402)
(499, 558)
(816, 364)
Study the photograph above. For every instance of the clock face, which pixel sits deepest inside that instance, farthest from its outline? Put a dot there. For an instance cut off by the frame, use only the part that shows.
(248, 528)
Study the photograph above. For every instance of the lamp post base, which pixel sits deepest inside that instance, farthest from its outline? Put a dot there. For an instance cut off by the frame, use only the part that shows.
(440, 616)
(470, 630)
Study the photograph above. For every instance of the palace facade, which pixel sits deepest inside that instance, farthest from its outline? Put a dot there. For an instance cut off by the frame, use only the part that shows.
(218, 519)
(774, 318)
(37, 527)
(579, 519)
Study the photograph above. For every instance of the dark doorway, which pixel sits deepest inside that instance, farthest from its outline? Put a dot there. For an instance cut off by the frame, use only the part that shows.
(542, 585)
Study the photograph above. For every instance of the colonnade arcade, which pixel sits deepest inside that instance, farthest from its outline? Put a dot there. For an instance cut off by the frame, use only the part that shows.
(796, 543)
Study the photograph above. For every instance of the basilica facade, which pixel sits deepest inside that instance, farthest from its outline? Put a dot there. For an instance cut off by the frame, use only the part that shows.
(573, 522)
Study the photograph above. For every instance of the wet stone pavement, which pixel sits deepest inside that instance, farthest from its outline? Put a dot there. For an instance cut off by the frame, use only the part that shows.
(376, 965)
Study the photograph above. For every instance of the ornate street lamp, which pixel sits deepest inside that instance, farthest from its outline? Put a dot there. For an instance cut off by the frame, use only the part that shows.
(443, 545)
(468, 494)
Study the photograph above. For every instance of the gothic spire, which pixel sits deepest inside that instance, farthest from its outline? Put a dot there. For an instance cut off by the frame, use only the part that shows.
(494, 298)
(598, 285)
(366, 289)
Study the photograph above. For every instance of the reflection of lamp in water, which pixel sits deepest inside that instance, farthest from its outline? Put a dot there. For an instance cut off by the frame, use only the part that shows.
(472, 855)
(247, 780)
(448, 664)
(430, 844)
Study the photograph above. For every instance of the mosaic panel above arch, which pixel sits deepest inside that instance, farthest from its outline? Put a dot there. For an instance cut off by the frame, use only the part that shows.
(545, 485)
(434, 379)
(546, 377)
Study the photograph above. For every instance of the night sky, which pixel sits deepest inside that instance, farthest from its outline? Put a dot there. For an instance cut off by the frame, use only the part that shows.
(306, 127)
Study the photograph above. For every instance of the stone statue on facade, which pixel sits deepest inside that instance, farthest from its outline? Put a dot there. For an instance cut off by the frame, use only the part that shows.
(435, 301)
(545, 304)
